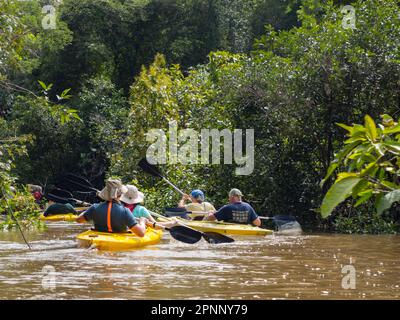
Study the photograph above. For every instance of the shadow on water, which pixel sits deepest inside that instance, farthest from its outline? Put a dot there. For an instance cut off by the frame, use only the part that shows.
(282, 266)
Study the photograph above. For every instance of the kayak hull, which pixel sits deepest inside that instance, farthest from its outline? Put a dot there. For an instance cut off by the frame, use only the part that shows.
(118, 241)
(225, 227)
(70, 217)
(228, 228)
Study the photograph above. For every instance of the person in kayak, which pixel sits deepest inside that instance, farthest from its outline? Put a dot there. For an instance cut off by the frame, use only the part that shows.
(236, 211)
(133, 200)
(55, 208)
(197, 203)
(111, 215)
(36, 191)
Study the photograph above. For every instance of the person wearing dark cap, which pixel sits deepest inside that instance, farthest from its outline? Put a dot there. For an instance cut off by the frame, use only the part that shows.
(236, 211)
(54, 207)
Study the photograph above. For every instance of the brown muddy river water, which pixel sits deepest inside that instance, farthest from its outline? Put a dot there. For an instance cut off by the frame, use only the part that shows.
(307, 266)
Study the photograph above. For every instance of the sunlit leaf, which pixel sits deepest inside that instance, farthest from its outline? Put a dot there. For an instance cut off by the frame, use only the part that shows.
(337, 194)
(371, 127)
(332, 167)
(386, 201)
(43, 85)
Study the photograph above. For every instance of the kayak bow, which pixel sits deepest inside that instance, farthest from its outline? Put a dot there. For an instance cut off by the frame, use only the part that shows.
(118, 241)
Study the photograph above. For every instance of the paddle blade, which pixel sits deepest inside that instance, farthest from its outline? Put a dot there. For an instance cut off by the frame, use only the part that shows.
(175, 210)
(149, 168)
(282, 217)
(185, 235)
(215, 238)
(281, 220)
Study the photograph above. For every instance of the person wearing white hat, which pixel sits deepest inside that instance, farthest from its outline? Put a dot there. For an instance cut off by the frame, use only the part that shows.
(111, 215)
(133, 200)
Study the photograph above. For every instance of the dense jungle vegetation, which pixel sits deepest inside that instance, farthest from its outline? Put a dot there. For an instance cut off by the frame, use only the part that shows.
(81, 96)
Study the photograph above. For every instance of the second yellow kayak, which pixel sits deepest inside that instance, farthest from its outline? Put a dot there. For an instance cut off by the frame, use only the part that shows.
(224, 227)
(118, 241)
(228, 228)
(70, 217)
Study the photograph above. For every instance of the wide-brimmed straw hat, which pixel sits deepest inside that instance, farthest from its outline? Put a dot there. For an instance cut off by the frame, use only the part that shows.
(113, 190)
(133, 195)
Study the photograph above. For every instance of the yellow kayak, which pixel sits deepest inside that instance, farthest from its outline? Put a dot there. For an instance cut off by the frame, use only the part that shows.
(70, 217)
(224, 227)
(118, 241)
(228, 228)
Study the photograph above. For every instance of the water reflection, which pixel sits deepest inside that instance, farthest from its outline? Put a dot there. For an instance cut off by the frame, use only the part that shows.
(274, 267)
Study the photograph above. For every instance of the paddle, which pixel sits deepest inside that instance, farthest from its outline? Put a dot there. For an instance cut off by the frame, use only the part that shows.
(280, 220)
(185, 234)
(210, 237)
(153, 170)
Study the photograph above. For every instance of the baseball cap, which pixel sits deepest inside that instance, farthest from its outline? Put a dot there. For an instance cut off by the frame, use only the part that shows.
(235, 193)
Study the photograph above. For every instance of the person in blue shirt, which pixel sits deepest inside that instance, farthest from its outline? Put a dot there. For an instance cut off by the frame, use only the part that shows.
(111, 215)
(236, 211)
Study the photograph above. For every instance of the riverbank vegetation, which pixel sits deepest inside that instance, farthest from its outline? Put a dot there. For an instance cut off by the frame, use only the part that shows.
(290, 70)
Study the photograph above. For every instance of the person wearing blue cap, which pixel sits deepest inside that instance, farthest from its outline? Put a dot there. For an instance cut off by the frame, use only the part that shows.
(197, 203)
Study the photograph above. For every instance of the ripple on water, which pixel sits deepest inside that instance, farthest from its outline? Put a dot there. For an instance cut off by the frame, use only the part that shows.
(272, 267)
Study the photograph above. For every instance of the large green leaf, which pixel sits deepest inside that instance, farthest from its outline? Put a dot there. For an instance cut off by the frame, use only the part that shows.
(344, 175)
(338, 193)
(371, 127)
(387, 200)
(345, 127)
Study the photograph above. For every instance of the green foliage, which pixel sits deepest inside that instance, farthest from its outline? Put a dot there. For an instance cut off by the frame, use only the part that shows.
(371, 156)
(136, 65)
(370, 223)
(20, 203)
(338, 193)
(184, 31)
(24, 209)
(159, 95)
